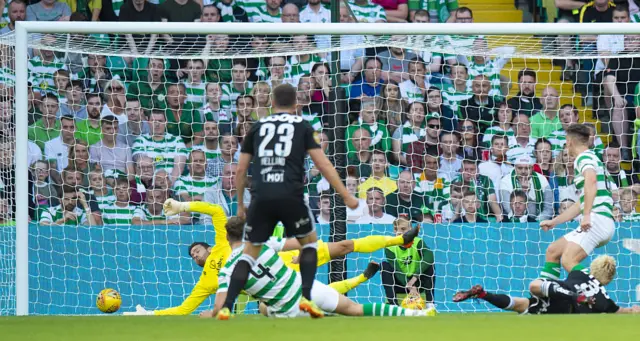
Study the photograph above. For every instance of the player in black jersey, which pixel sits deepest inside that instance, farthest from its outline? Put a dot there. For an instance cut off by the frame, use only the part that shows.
(276, 148)
(580, 293)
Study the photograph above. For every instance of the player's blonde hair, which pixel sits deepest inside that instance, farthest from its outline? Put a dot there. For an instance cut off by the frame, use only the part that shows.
(603, 269)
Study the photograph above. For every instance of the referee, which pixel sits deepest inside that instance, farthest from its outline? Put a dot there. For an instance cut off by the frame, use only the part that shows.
(275, 149)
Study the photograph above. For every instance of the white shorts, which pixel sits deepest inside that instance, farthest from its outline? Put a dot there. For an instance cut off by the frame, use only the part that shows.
(600, 233)
(323, 295)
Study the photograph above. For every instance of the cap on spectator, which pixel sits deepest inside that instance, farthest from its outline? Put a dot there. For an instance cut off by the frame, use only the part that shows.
(432, 115)
(524, 160)
(517, 152)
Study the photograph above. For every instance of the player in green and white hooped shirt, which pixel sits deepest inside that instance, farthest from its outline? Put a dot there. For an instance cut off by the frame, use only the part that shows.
(73, 210)
(596, 207)
(98, 187)
(167, 150)
(152, 213)
(568, 115)
(280, 289)
(192, 187)
(120, 211)
(194, 84)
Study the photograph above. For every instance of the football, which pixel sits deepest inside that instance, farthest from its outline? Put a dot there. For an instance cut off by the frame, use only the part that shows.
(413, 302)
(109, 301)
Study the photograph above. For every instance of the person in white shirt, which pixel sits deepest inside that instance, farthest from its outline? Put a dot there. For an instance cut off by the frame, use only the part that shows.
(534, 184)
(325, 210)
(352, 184)
(450, 161)
(375, 204)
(611, 44)
(57, 149)
(497, 166)
(115, 98)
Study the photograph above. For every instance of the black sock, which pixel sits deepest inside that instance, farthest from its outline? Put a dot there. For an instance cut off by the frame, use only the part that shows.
(237, 282)
(308, 266)
(558, 292)
(501, 301)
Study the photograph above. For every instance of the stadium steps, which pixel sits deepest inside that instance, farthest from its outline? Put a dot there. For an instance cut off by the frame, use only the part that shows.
(486, 11)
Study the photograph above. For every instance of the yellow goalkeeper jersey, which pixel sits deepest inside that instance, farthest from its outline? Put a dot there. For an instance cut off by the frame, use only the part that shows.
(208, 283)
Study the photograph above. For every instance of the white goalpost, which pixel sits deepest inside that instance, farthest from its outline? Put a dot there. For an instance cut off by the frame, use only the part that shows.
(496, 256)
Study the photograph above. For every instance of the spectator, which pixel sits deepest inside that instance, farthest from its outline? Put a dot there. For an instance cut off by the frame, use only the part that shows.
(360, 161)
(290, 13)
(469, 140)
(143, 179)
(395, 62)
(48, 10)
(380, 136)
(57, 149)
(231, 12)
(310, 112)
(315, 12)
(47, 127)
(415, 88)
(97, 74)
(140, 11)
(405, 200)
(60, 81)
(225, 193)
(90, 130)
(228, 154)
(178, 11)
(269, 12)
(370, 84)
(44, 64)
(193, 186)
(480, 107)
(212, 109)
(120, 211)
(544, 159)
(44, 192)
(378, 178)
(151, 88)
(68, 212)
(279, 72)
(210, 14)
(496, 165)
(482, 64)
(240, 85)
(111, 154)
(521, 142)
(320, 87)
(74, 95)
(210, 145)
(325, 210)
(568, 115)
(352, 183)
(100, 190)
(565, 175)
(526, 102)
(79, 159)
(435, 105)
(219, 70)
(628, 204)
(167, 149)
(375, 204)
(546, 121)
(450, 160)
(392, 106)
(460, 90)
(301, 64)
(74, 178)
(262, 94)
(182, 120)
(612, 161)
(115, 100)
(470, 205)
(502, 125)
(368, 12)
(396, 10)
(195, 83)
(136, 124)
(611, 44)
(519, 204)
(246, 105)
(540, 194)
(433, 185)
(408, 270)
(161, 179)
(411, 131)
(483, 186)
(597, 11)
(152, 213)
(16, 12)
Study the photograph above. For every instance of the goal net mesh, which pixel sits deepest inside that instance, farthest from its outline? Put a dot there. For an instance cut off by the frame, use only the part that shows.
(462, 134)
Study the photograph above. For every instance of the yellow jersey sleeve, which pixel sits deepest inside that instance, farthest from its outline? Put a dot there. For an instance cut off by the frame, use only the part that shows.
(198, 295)
(218, 218)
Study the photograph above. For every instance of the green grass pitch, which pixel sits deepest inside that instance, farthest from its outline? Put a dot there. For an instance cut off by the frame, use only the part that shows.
(445, 327)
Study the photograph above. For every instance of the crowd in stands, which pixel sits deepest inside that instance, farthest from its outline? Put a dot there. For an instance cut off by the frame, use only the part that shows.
(430, 135)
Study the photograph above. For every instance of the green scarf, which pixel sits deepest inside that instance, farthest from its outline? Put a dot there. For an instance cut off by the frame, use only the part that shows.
(537, 188)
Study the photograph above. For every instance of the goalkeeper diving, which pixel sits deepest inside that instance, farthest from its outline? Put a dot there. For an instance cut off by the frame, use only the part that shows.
(213, 257)
(279, 288)
(580, 293)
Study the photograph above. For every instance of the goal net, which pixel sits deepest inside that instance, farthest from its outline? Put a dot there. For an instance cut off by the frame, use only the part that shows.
(463, 134)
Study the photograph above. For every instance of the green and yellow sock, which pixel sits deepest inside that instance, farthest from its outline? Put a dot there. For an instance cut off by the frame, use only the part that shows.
(374, 243)
(348, 284)
(550, 270)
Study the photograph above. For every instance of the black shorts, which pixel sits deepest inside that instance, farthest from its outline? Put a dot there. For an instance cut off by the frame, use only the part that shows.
(546, 305)
(263, 215)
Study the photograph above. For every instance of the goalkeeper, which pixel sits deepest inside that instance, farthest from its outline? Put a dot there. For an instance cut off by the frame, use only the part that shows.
(212, 258)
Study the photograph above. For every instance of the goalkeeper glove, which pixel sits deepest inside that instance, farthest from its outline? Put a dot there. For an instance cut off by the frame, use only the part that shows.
(173, 207)
(140, 311)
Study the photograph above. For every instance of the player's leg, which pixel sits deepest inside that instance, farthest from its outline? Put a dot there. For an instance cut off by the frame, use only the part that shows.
(557, 291)
(580, 245)
(350, 283)
(373, 243)
(502, 301)
(551, 268)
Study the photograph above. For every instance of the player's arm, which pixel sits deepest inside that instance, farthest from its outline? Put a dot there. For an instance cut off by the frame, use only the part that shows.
(218, 217)
(326, 168)
(198, 295)
(566, 216)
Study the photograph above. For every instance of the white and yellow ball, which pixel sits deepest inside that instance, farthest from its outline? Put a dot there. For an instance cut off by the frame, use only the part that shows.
(109, 301)
(414, 302)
